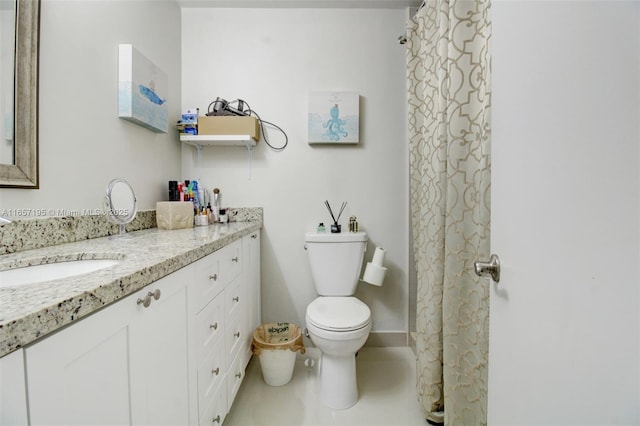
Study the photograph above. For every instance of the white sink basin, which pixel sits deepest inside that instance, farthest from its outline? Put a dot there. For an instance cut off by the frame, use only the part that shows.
(52, 271)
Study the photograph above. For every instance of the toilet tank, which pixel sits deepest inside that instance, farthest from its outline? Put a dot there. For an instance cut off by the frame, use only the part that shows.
(335, 261)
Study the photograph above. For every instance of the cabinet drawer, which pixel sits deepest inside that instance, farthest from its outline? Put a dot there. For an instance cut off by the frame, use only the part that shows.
(216, 411)
(234, 298)
(208, 281)
(234, 329)
(234, 378)
(209, 326)
(230, 261)
(211, 373)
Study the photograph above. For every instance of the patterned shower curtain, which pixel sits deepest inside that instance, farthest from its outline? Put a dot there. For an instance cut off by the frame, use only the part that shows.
(448, 65)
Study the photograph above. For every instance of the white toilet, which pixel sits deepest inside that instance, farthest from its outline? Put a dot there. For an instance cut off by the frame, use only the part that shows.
(338, 323)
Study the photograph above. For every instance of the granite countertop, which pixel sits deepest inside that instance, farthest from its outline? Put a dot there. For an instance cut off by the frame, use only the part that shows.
(31, 311)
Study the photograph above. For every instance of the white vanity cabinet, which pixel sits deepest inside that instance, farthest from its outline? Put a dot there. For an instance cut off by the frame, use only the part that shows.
(126, 364)
(173, 353)
(222, 311)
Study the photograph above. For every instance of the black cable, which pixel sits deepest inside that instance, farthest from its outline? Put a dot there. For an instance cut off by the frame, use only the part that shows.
(264, 134)
(286, 138)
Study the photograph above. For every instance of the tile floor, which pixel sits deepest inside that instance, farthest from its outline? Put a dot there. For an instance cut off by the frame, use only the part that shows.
(386, 382)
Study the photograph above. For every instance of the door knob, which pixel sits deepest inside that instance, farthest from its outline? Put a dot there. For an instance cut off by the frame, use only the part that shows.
(489, 269)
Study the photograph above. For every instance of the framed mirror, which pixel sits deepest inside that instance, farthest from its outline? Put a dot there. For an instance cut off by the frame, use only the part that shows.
(21, 171)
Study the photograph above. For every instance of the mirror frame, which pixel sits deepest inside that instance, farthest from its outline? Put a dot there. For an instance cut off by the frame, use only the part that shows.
(24, 172)
(115, 214)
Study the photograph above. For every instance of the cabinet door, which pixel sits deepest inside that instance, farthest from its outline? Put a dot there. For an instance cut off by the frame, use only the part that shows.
(13, 392)
(123, 365)
(80, 375)
(159, 362)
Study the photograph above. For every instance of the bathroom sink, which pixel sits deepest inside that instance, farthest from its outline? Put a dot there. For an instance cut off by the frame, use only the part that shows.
(52, 271)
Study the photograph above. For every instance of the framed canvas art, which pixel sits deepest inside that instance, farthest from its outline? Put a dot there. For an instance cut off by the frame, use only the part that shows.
(142, 90)
(334, 117)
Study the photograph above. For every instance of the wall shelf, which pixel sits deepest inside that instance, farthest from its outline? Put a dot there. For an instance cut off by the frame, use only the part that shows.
(201, 141)
(204, 141)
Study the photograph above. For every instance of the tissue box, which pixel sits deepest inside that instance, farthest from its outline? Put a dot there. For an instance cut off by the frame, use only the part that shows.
(229, 125)
(174, 214)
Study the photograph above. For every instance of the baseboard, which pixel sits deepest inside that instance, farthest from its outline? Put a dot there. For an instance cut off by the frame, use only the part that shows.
(386, 339)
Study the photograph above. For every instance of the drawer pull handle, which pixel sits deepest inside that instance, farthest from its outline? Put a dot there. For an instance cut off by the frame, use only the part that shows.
(236, 299)
(234, 259)
(239, 375)
(156, 294)
(147, 299)
(213, 277)
(216, 371)
(236, 334)
(144, 302)
(254, 236)
(214, 326)
(216, 419)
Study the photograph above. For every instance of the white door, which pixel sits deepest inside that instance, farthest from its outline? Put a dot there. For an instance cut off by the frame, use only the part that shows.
(564, 330)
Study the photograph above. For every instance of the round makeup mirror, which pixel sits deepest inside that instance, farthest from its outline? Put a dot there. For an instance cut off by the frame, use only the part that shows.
(120, 203)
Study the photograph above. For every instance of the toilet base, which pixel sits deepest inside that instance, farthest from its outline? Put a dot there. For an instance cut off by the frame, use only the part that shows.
(338, 386)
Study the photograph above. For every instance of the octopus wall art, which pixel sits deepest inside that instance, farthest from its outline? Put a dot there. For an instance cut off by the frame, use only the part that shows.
(333, 117)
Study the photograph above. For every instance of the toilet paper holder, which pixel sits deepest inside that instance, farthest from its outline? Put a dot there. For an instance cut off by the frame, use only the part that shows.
(375, 272)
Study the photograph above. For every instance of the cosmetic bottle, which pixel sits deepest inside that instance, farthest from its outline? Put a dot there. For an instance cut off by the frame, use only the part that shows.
(216, 205)
(224, 218)
(173, 191)
(353, 224)
(180, 192)
(210, 217)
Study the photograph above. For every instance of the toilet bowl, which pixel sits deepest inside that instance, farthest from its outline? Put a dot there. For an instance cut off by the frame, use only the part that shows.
(339, 327)
(338, 323)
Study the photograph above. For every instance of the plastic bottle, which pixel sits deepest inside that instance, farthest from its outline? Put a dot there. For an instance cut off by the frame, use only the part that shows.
(224, 218)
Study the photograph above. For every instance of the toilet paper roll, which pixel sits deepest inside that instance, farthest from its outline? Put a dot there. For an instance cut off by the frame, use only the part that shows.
(378, 256)
(374, 274)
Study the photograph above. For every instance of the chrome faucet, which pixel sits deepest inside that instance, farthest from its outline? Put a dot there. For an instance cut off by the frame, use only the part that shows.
(4, 220)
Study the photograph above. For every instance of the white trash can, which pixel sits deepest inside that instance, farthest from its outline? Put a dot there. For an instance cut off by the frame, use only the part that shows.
(276, 345)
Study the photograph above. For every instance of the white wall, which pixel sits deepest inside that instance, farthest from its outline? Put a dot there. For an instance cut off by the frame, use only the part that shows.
(83, 143)
(272, 59)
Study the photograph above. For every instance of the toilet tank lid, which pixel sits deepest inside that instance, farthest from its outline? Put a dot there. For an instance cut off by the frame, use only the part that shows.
(328, 237)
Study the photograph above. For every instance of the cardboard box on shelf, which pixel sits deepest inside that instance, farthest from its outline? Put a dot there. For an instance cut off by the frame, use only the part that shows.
(229, 125)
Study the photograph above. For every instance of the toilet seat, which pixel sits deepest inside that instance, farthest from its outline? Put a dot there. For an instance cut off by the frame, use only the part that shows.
(338, 314)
